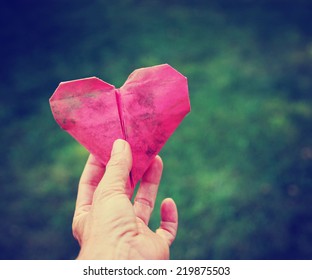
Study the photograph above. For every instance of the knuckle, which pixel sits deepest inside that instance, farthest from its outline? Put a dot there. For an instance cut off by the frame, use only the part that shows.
(118, 161)
(146, 203)
(108, 191)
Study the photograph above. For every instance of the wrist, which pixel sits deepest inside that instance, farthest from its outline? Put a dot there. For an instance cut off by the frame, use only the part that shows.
(100, 251)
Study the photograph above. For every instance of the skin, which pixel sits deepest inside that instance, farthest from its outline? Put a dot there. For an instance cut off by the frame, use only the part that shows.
(107, 224)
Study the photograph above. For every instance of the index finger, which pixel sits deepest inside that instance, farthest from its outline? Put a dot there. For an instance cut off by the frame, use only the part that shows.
(90, 178)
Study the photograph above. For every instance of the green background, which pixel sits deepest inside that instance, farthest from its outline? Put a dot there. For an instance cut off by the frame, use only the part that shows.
(239, 166)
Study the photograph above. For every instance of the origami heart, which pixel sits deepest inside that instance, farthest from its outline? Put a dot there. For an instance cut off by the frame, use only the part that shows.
(145, 111)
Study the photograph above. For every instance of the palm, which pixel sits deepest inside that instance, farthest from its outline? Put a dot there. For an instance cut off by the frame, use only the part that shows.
(148, 244)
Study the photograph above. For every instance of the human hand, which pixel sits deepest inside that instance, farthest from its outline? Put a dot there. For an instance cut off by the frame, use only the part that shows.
(107, 225)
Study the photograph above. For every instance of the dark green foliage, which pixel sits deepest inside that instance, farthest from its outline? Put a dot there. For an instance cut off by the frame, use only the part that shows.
(239, 166)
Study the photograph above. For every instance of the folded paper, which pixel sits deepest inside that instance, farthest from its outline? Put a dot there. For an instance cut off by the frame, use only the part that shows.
(145, 111)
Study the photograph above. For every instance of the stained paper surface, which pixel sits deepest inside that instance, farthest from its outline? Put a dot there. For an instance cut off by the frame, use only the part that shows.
(145, 111)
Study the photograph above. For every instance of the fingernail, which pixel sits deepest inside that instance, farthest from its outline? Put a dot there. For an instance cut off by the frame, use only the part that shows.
(118, 146)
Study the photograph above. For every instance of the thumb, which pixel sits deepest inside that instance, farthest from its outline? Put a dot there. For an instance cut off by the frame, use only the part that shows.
(117, 170)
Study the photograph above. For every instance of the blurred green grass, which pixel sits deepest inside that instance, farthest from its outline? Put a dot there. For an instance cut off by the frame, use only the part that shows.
(239, 166)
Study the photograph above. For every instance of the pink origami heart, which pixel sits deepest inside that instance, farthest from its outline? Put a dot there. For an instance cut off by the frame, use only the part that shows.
(145, 111)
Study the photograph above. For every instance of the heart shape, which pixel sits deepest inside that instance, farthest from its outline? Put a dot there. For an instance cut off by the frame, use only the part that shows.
(145, 111)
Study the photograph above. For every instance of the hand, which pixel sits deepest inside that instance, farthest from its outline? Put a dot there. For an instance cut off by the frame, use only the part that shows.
(107, 225)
